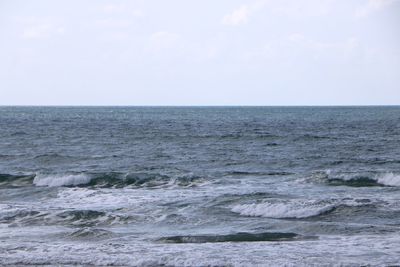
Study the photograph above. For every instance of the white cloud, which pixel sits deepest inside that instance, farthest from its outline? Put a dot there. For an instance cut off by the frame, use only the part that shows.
(242, 14)
(288, 8)
(35, 27)
(238, 16)
(372, 6)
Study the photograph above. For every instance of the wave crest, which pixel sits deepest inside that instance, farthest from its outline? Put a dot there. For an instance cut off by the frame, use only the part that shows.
(61, 180)
(116, 180)
(71, 217)
(284, 210)
(357, 179)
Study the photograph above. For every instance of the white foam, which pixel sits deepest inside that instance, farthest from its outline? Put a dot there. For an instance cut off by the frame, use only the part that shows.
(371, 250)
(61, 180)
(389, 179)
(293, 209)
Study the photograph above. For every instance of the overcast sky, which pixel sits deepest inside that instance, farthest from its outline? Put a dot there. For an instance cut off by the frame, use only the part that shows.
(180, 52)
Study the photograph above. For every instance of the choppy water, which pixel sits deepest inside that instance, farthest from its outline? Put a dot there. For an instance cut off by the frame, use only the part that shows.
(200, 186)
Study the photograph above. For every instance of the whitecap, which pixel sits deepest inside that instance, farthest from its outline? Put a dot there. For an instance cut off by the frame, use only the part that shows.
(289, 209)
(61, 180)
(389, 179)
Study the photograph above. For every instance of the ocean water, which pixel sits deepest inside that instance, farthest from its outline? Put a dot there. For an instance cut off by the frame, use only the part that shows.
(200, 186)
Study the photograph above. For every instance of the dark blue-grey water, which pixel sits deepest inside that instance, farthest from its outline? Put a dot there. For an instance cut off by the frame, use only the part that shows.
(200, 186)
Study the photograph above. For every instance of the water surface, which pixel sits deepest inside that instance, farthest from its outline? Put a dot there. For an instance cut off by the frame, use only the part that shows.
(200, 186)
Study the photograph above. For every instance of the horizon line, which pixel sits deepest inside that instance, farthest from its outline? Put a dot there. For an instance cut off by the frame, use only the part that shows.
(188, 106)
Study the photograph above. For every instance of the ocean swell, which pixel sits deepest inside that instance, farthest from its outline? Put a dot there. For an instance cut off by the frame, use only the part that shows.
(11, 180)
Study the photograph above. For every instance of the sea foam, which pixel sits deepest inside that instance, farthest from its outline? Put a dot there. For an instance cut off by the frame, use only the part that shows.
(61, 180)
(389, 179)
(293, 209)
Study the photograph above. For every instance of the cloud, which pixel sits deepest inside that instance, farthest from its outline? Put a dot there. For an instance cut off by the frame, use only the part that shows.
(372, 6)
(38, 28)
(238, 16)
(288, 8)
(242, 14)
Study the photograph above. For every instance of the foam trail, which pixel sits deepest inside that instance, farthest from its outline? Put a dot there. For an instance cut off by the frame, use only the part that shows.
(61, 180)
(283, 209)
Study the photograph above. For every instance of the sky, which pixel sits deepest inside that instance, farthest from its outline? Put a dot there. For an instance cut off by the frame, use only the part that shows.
(180, 52)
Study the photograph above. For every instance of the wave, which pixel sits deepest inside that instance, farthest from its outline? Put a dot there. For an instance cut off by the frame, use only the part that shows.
(61, 180)
(355, 181)
(284, 210)
(70, 218)
(18, 133)
(311, 137)
(386, 179)
(15, 180)
(237, 237)
(90, 233)
(255, 173)
(363, 179)
(389, 179)
(103, 180)
(52, 157)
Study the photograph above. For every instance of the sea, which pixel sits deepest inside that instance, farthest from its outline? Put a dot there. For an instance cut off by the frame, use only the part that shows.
(200, 186)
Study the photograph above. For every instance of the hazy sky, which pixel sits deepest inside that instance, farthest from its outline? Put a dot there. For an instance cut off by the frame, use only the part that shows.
(224, 52)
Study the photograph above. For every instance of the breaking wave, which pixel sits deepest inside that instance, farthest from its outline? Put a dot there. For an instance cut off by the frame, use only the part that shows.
(386, 179)
(61, 180)
(101, 180)
(72, 217)
(389, 179)
(284, 210)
